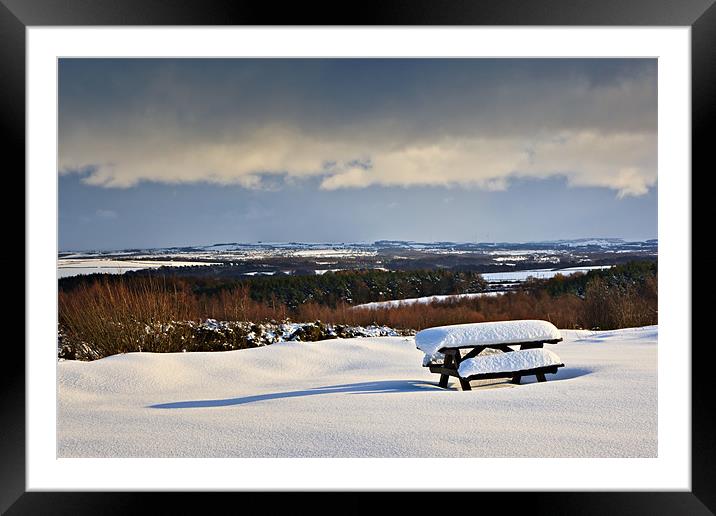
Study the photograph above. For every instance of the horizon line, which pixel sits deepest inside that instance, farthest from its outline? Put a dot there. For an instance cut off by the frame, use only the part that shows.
(355, 242)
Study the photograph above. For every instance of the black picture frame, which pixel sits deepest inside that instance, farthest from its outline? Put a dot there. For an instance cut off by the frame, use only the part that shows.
(17, 15)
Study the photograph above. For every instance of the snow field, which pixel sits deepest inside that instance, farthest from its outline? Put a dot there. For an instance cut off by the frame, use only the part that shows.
(364, 397)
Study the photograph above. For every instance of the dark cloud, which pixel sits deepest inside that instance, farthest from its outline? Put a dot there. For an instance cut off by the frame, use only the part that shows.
(355, 123)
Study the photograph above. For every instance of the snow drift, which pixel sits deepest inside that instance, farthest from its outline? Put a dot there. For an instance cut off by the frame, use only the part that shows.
(366, 397)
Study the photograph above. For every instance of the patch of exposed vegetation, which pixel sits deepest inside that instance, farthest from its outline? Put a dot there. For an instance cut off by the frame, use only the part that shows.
(120, 314)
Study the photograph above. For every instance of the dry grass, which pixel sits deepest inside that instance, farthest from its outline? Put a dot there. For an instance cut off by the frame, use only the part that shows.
(115, 317)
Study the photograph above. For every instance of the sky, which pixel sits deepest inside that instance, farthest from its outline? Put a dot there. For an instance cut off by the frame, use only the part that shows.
(173, 152)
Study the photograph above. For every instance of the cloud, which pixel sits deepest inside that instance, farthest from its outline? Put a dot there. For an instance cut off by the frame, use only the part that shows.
(459, 123)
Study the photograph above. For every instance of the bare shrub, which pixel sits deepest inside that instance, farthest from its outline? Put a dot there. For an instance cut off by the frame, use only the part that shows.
(108, 317)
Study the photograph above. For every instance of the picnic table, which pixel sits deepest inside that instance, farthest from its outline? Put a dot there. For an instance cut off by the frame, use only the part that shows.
(490, 351)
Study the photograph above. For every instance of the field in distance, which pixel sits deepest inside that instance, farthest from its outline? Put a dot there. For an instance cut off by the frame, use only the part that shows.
(542, 259)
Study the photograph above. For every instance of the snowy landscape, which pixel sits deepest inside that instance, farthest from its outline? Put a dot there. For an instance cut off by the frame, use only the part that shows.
(151, 367)
(359, 397)
(500, 261)
(357, 257)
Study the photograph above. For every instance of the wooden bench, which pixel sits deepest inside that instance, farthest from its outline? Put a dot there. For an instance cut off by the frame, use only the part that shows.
(487, 365)
(453, 360)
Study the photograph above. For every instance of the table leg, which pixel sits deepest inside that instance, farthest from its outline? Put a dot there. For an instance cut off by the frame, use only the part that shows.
(447, 363)
(457, 358)
(443, 381)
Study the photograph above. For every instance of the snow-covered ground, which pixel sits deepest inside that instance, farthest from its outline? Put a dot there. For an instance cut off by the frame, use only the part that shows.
(365, 397)
(496, 277)
(75, 266)
(423, 300)
(490, 277)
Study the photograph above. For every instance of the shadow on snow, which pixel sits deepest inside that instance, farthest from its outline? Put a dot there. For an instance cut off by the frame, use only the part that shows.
(381, 387)
(378, 387)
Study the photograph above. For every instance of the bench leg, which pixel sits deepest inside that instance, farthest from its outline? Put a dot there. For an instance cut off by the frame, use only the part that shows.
(516, 379)
(541, 377)
(465, 385)
(449, 363)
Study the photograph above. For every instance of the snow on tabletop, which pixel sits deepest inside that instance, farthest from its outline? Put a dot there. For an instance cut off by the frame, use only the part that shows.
(432, 340)
(508, 362)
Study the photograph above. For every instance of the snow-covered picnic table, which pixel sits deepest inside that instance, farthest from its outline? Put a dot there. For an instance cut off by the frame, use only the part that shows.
(489, 350)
